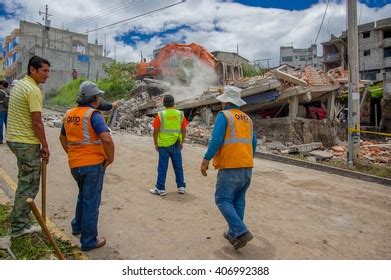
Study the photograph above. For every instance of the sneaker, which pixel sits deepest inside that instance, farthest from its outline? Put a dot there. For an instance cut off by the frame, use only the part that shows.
(242, 240)
(155, 191)
(230, 239)
(32, 229)
(181, 190)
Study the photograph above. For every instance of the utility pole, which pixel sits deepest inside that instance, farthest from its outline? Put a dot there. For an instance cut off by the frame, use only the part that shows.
(115, 51)
(96, 33)
(354, 88)
(105, 46)
(45, 28)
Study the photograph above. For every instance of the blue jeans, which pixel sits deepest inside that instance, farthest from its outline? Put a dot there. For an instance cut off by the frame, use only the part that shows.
(90, 182)
(165, 153)
(230, 197)
(3, 120)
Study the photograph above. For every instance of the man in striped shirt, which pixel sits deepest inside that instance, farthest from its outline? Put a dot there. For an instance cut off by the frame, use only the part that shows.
(26, 139)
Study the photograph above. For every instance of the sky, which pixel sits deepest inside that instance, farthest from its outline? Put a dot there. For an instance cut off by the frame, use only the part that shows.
(257, 27)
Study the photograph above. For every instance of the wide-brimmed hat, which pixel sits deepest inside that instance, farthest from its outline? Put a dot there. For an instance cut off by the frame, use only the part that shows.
(232, 95)
(88, 89)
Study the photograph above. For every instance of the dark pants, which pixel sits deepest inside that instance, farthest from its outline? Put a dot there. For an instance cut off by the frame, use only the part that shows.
(3, 122)
(29, 173)
(165, 153)
(90, 182)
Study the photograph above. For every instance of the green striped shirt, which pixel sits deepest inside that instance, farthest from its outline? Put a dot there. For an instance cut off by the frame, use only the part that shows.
(25, 98)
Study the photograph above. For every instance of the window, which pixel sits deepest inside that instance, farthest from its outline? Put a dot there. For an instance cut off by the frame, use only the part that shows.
(387, 52)
(286, 59)
(303, 58)
(366, 34)
(367, 52)
(83, 58)
(387, 33)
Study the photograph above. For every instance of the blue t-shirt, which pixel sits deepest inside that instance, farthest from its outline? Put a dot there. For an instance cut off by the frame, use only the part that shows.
(97, 122)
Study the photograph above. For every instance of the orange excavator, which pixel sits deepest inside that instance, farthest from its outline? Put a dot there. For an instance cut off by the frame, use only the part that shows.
(173, 59)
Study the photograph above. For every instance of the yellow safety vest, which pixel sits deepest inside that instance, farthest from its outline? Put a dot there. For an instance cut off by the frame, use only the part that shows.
(170, 127)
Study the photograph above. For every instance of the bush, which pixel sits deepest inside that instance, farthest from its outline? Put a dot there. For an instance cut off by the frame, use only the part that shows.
(252, 71)
(67, 94)
(119, 81)
(117, 85)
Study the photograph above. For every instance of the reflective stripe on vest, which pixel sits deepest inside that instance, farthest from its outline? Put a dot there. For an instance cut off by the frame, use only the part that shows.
(233, 138)
(163, 130)
(86, 131)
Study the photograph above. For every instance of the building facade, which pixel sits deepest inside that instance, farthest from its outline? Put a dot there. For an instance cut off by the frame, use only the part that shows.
(64, 49)
(300, 58)
(374, 47)
(231, 65)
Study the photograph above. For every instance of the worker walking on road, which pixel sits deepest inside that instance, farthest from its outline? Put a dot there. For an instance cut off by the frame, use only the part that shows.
(232, 148)
(168, 135)
(86, 139)
(26, 139)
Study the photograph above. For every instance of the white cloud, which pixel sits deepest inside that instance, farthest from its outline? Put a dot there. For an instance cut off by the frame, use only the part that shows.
(215, 24)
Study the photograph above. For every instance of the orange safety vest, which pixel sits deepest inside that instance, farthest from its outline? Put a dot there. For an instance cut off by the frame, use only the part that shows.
(84, 146)
(237, 150)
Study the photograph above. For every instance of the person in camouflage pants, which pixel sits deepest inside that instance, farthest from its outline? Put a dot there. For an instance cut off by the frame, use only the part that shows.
(29, 165)
(27, 140)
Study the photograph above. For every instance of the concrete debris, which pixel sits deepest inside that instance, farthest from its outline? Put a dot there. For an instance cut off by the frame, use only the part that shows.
(54, 120)
(275, 146)
(304, 148)
(321, 155)
(311, 159)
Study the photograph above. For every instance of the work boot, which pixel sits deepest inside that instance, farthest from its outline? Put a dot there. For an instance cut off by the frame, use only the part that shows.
(230, 239)
(31, 229)
(242, 240)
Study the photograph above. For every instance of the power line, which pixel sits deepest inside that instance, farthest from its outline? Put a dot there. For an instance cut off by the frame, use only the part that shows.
(135, 17)
(101, 14)
(317, 35)
(321, 24)
(77, 21)
(122, 21)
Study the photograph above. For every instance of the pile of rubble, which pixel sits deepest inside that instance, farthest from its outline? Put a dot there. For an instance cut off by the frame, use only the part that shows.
(371, 151)
(53, 120)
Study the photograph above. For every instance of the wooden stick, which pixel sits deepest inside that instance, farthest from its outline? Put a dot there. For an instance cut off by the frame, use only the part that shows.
(45, 229)
(43, 189)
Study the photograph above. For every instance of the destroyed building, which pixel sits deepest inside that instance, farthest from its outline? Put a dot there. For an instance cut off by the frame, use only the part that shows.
(300, 58)
(374, 45)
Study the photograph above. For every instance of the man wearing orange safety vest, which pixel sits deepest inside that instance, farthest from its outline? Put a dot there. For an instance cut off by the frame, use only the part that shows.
(232, 148)
(86, 139)
(168, 135)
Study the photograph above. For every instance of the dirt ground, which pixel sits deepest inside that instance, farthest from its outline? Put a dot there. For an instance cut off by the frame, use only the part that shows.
(294, 213)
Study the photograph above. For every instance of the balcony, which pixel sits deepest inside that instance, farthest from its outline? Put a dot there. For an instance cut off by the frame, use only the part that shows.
(331, 57)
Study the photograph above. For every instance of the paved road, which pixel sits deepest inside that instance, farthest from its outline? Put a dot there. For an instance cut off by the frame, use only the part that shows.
(294, 213)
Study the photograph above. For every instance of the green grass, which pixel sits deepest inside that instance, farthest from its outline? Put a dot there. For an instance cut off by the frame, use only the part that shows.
(376, 90)
(363, 167)
(66, 96)
(368, 168)
(31, 247)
